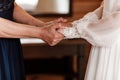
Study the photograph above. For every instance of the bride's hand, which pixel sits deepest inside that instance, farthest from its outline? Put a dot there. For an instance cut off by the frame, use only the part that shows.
(64, 25)
(68, 31)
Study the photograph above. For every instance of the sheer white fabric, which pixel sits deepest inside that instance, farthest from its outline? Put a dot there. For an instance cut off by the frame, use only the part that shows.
(104, 32)
(99, 32)
(102, 29)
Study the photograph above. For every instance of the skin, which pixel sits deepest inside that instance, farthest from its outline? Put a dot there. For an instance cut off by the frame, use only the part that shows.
(27, 26)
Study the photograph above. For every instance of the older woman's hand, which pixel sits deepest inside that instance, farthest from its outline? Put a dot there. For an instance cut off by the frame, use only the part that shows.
(51, 35)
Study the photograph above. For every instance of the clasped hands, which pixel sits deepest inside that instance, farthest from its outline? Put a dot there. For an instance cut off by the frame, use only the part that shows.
(51, 31)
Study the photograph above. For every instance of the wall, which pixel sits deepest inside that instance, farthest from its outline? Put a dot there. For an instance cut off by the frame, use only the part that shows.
(53, 6)
(79, 8)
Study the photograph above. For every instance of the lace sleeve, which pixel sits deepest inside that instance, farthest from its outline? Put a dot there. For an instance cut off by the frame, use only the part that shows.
(103, 32)
(78, 26)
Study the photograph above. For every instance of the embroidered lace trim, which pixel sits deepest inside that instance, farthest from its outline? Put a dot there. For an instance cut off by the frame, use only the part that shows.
(79, 26)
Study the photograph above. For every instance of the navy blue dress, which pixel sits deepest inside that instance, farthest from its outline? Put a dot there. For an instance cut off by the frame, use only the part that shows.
(11, 59)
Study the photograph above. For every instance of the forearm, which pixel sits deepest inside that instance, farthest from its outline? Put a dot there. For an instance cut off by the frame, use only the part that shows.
(22, 16)
(9, 29)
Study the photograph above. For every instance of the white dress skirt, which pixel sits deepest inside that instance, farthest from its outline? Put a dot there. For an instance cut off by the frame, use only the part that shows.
(104, 63)
(101, 28)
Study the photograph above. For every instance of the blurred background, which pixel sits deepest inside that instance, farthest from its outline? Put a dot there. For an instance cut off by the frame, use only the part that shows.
(68, 59)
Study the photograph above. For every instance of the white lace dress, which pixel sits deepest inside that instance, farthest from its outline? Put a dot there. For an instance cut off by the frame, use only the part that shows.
(102, 29)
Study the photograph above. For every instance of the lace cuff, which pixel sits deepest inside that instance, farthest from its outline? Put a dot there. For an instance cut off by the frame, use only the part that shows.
(78, 26)
(70, 33)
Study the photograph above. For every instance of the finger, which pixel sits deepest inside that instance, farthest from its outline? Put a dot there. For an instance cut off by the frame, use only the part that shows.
(56, 21)
(61, 20)
(58, 38)
(55, 26)
(50, 23)
(59, 25)
(62, 25)
(56, 41)
(61, 30)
